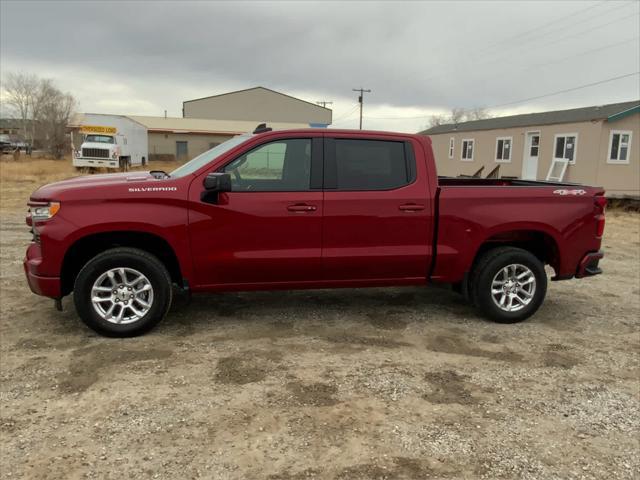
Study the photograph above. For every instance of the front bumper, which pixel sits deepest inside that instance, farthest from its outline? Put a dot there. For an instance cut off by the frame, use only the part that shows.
(588, 266)
(95, 162)
(46, 286)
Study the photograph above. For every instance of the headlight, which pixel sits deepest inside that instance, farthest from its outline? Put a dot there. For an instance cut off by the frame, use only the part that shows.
(43, 211)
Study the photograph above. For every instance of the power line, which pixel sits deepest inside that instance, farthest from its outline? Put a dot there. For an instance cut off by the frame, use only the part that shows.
(539, 35)
(606, 80)
(502, 57)
(346, 115)
(361, 100)
(540, 27)
(324, 103)
(566, 37)
(595, 27)
(585, 52)
(600, 82)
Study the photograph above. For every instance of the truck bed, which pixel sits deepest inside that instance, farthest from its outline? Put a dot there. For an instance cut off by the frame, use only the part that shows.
(498, 182)
(545, 215)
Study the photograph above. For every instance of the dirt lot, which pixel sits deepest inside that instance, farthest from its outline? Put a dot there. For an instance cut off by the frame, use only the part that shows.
(349, 384)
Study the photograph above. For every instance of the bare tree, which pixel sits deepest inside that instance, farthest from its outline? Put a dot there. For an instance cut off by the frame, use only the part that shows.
(436, 120)
(457, 115)
(40, 105)
(477, 113)
(19, 91)
(54, 113)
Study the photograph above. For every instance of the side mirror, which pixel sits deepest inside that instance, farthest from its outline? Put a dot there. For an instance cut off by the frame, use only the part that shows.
(217, 182)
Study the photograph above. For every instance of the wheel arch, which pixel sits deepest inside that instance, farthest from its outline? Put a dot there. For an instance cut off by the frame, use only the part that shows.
(539, 242)
(88, 246)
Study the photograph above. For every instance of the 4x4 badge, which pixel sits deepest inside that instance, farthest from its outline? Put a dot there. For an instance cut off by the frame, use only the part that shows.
(563, 192)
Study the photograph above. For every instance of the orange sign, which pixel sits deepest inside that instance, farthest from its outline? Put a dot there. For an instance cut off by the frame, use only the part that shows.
(98, 129)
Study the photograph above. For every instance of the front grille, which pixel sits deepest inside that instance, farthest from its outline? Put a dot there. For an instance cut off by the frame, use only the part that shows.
(95, 152)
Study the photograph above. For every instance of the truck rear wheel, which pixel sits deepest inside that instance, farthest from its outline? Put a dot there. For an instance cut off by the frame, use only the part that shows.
(508, 284)
(122, 292)
(125, 163)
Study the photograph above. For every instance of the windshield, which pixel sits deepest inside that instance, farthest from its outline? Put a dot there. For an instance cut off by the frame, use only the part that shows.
(206, 157)
(99, 139)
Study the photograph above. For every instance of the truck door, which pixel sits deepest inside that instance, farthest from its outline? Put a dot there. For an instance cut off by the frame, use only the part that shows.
(268, 228)
(377, 211)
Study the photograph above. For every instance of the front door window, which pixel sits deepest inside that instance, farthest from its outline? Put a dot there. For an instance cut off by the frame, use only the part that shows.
(280, 166)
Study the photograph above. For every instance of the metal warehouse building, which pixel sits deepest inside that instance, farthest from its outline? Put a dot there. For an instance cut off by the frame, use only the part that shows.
(185, 138)
(212, 120)
(260, 105)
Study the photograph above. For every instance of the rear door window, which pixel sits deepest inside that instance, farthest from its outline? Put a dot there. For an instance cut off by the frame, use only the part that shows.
(369, 164)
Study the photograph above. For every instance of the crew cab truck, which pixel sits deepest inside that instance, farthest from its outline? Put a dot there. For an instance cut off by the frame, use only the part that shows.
(116, 143)
(305, 209)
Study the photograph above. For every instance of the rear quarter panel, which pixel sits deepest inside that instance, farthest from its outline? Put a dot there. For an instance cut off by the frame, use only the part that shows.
(470, 216)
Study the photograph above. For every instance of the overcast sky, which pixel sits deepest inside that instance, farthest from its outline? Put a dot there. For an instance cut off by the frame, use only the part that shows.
(418, 58)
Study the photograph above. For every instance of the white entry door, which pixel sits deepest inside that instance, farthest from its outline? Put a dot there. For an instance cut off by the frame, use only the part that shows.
(530, 157)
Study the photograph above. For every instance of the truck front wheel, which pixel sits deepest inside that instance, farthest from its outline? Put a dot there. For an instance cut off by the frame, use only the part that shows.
(122, 292)
(508, 284)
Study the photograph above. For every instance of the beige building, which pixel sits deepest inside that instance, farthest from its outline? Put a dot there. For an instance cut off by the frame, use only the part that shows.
(210, 121)
(185, 138)
(601, 144)
(259, 105)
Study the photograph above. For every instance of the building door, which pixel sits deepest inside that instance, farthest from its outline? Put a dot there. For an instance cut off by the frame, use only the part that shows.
(530, 157)
(182, 151)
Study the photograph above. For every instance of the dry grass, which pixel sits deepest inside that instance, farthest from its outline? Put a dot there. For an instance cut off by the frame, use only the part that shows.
(18, 179)
(326, 384)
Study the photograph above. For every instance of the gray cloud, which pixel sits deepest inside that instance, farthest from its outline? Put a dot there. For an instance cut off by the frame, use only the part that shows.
(425, 55)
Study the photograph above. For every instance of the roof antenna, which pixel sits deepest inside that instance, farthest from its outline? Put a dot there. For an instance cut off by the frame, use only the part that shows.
(262, 128)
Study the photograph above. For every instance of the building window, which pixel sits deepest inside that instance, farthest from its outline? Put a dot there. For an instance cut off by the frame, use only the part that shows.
(534, 146)
(213, 145)
(619, 145)
(452, 142)
(566, 146)
(503, 149)
(467, 150)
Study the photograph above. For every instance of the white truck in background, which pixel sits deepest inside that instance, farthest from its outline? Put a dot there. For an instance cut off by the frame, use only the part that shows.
(110, 141)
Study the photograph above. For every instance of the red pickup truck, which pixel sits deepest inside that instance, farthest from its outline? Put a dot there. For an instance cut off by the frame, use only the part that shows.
(305, 209)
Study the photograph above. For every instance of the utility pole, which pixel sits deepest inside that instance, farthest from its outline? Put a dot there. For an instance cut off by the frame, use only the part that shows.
(324, 104)
(361, 100)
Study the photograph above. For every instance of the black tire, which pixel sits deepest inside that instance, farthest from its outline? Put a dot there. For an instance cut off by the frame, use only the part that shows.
(126, 257)
(125, 163)
(486, 268)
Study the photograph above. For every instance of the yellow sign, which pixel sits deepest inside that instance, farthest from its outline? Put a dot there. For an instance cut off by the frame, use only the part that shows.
(98, 129)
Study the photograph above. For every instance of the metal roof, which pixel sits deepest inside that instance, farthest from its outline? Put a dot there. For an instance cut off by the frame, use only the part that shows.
(204, 125)
(585, 114)
(195, 125)
(257, 88)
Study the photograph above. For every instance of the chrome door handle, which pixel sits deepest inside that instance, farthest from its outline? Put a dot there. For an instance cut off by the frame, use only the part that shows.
(411, 207)
(302, 207)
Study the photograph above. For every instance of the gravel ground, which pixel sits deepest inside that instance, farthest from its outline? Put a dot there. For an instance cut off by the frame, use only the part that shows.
(344, 384)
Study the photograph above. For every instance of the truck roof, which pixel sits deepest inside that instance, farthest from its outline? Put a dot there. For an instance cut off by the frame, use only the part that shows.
(343, 131)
